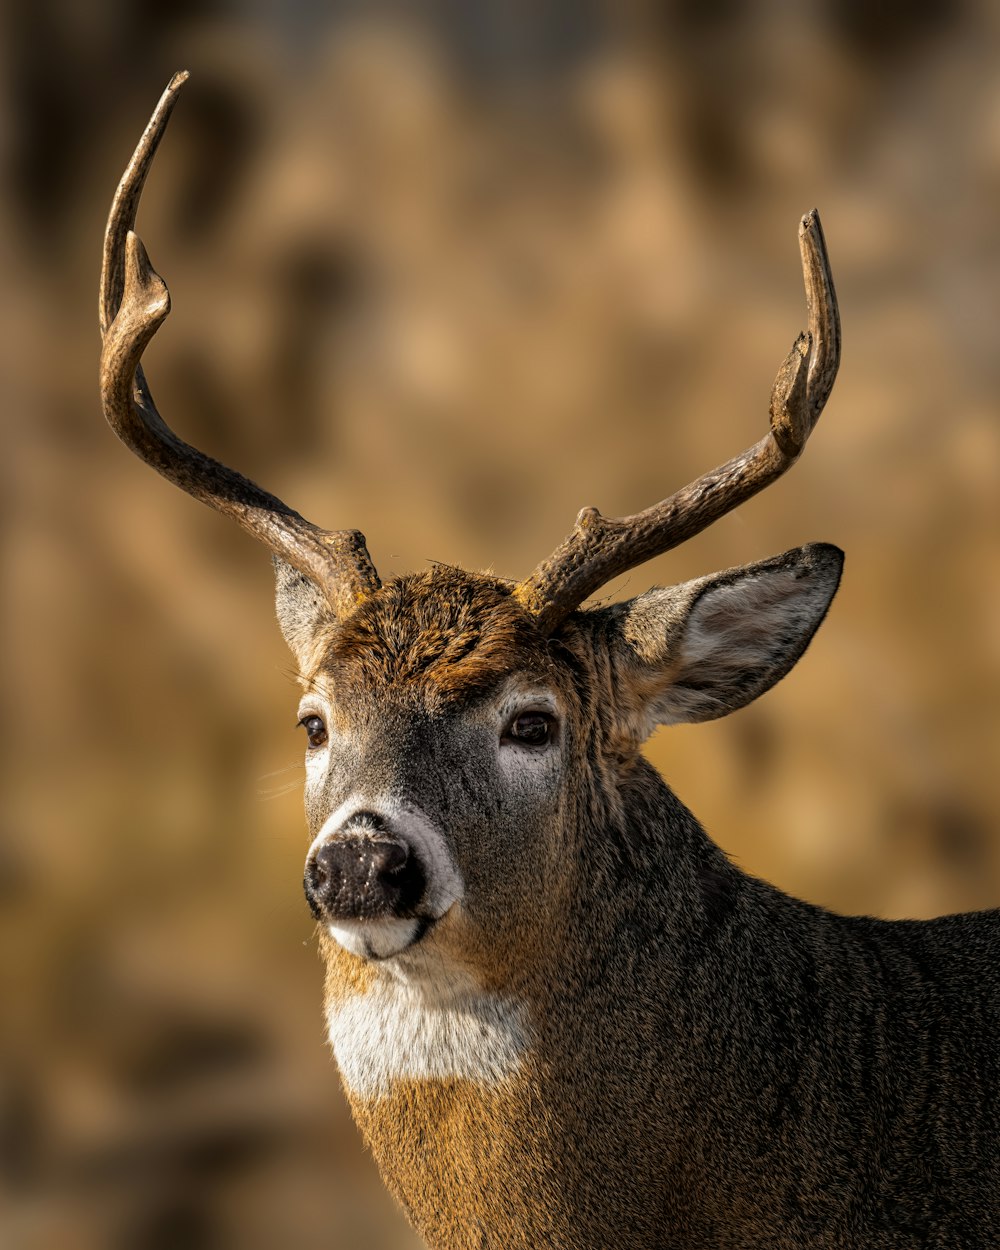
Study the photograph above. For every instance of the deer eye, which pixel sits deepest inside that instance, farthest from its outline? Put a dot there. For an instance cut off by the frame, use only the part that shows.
(315, 730)
(530, 729)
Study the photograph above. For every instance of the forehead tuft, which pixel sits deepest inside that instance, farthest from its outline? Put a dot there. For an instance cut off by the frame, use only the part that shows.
(445, 633)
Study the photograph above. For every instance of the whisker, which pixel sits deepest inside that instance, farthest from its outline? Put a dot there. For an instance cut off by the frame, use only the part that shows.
(277, 792)
(275, 772)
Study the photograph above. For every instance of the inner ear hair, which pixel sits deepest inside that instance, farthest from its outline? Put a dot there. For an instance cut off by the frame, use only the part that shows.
(709, 647)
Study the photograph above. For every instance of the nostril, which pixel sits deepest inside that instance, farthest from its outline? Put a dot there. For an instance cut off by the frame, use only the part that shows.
(323, 867)
(389, 857)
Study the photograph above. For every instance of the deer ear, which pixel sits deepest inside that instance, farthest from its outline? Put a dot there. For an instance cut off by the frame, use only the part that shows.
(301, 608)
(709, 647)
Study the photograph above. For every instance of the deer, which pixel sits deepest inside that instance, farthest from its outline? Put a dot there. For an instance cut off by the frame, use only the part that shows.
(561, 1015)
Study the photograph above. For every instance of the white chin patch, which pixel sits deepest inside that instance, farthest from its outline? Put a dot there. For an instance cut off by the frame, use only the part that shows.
(374, 939)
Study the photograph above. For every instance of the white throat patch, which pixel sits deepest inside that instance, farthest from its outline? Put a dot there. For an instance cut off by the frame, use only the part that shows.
(413, 1030)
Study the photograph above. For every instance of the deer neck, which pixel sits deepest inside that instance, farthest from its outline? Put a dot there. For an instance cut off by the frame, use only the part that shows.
(502, 1089)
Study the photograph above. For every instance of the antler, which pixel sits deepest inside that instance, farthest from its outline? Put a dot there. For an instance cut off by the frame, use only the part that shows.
(600, 548)
(134, 303)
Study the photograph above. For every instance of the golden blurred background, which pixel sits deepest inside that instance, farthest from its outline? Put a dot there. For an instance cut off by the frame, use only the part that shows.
(447, 272)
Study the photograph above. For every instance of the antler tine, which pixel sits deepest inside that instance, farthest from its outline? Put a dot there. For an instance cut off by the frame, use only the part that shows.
(134, 302)
(599, 548)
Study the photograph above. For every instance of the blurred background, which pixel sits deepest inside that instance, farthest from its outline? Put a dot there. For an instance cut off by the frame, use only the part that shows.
(447, 272)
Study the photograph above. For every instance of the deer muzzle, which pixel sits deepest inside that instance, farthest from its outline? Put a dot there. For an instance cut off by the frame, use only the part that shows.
(379, 875)
(364, 875)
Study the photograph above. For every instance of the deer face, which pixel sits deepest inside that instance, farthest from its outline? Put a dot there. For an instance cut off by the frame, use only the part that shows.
(442, 728)
(459, 760)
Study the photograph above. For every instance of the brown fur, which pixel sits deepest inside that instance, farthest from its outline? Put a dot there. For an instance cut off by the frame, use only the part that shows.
(439, 636)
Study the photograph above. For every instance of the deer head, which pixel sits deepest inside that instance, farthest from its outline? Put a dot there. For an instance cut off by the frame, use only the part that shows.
(469, 737)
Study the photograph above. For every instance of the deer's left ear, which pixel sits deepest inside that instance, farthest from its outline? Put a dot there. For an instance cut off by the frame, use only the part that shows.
(700, 650)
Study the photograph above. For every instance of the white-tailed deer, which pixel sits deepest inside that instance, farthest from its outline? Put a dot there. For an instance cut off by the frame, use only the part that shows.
(563, 1018)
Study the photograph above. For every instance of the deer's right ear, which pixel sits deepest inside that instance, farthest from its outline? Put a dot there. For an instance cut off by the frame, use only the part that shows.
(709, 647)
(301, 607)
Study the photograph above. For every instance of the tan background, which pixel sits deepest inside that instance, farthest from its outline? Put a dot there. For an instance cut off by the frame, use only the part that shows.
(448, 278)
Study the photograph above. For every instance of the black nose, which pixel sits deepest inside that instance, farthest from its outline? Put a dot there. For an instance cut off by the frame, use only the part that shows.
(363, 876)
